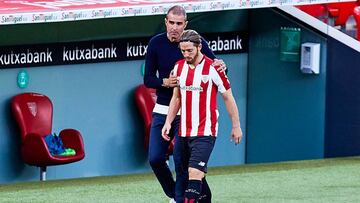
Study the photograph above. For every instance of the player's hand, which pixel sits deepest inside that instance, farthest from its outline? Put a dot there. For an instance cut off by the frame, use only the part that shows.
(220, 63)
(236, 135)
(165, 131)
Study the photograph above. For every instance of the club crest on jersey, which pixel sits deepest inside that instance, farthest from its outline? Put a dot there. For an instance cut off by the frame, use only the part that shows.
(205, 78)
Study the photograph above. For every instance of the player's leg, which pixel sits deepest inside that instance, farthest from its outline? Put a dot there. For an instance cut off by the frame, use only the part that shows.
(158, 148)
(200, 150)
(205, 196)
(193, 190)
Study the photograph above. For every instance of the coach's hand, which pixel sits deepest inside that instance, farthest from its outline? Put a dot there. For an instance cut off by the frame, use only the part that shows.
(173, 82)
(236, 135)
(165, 131)
(170, 82)
(220, 63)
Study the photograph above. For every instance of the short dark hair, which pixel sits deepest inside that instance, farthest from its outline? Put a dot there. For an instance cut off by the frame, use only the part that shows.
(177, 10)
(191, 36)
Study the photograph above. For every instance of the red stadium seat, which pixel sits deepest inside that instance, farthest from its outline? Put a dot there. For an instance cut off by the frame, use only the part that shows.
(357, 19)
(341, 11)
(315, 10)
(145, 99)
(33, 113)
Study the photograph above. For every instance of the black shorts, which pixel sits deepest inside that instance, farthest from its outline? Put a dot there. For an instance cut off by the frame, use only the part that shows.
(198, 150)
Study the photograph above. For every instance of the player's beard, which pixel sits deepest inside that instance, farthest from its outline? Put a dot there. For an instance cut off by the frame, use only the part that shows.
(191, 60)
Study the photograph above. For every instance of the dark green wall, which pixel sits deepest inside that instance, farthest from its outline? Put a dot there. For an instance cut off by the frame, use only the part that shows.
(286, 108)
(123, 27)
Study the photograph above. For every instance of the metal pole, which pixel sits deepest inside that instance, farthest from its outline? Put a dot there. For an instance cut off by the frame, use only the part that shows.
(42, 173)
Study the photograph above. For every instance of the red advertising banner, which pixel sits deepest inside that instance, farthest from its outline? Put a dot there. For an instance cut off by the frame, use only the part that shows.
(11, 7)
(35, 11)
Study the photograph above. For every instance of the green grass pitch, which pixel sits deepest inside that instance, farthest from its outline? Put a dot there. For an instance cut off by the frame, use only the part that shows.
(325, 180)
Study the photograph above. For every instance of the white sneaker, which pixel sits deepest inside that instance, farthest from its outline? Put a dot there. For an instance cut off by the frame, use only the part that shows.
(172, 201)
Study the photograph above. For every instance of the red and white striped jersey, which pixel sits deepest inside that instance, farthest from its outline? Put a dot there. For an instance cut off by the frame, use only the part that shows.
(198, 89)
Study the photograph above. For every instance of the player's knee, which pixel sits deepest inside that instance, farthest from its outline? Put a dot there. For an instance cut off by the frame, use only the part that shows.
(195, 174)
(156, 161)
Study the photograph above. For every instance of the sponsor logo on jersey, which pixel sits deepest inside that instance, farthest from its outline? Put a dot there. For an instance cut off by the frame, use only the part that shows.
(191, 88)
